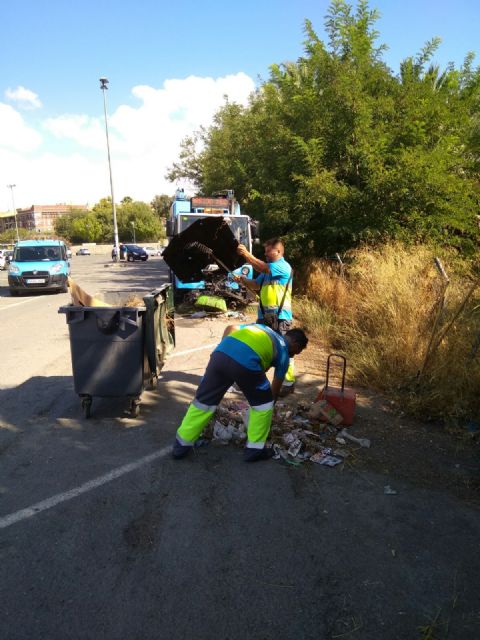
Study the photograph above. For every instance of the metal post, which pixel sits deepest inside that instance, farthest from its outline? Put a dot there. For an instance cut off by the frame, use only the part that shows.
(10, 186)
(104, 87)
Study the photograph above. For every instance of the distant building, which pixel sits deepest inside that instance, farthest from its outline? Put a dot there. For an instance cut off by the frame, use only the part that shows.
(39, 217)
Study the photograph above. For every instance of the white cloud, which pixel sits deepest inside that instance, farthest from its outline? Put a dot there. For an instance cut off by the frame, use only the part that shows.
(24, 97)
(15, 133)
(84, 130)
(71, 165)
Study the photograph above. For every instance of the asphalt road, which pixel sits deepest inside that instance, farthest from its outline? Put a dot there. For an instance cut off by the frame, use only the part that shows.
(102, 535)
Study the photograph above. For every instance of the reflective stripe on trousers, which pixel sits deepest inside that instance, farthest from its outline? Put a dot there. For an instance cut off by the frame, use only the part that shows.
(259, 421)
(194, 422)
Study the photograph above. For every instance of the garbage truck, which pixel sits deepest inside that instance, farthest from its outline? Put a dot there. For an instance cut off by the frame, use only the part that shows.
(185, 211)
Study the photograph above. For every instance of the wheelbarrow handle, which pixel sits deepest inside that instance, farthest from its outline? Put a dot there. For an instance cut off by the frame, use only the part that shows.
(336, 355)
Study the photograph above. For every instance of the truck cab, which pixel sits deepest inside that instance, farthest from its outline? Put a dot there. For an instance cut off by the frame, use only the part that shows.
(38, 265)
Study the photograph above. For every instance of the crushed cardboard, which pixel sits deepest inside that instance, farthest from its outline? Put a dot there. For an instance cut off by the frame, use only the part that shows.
(81, 298)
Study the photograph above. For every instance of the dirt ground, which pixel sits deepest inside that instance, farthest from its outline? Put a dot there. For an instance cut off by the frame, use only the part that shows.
(426, 455)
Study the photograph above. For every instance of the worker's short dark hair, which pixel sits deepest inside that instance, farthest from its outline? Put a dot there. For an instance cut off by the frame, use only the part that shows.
(298, 336)
(273, 241)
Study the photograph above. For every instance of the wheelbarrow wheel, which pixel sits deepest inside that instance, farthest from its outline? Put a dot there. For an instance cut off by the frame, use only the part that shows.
(86, 406)
(134, 408)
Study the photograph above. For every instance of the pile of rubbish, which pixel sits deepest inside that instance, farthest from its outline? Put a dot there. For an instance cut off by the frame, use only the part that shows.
(299, 433)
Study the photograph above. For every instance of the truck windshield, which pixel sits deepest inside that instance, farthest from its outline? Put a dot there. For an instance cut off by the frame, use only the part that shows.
(238, 225)
(37, 254)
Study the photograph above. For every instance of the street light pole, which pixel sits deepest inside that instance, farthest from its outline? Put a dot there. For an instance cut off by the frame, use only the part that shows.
(10, 186)
(104, 87)
(133, 225)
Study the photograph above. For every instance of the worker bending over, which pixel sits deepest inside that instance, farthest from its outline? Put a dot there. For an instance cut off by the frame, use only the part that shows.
(242, 357)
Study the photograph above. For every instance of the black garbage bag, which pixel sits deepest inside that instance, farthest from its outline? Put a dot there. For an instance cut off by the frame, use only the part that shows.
(186, 255)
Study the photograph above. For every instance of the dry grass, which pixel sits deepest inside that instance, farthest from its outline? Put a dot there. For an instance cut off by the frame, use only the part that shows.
(382, 313)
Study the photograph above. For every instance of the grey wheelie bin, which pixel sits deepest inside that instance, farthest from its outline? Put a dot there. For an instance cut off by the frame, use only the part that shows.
(118, 350)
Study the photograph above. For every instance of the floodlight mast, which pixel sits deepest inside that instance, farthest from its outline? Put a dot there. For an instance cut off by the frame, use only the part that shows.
(104, 87)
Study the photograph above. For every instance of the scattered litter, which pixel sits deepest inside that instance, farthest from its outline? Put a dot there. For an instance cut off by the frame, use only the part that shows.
(304, 455)
(279, 453)
(225, 433)
(295, 447)
(324, 456)
(300, 420)
(388, 491)
(363, 442)
(289, 438)
(295, 439)
(222, 432)
(323, 410)
(313, 434)
(331, 461)
(199, 314)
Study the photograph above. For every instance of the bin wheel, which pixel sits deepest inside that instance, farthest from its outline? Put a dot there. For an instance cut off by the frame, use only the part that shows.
(134, 408)
(86, 406)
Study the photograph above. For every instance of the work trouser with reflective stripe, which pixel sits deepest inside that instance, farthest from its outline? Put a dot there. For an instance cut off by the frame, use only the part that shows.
(222, 371)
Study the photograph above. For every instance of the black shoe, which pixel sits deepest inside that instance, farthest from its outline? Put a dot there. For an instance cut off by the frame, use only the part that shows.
(286, 390)
(180, 450)
(252, 455)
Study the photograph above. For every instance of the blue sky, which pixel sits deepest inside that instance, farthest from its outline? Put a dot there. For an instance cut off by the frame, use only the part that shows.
(169, 65)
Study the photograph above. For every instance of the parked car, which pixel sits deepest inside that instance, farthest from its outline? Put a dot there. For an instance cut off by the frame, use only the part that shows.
(39, 265)
(152, 251)
(5, 258)
(131, 252)
(83, 252)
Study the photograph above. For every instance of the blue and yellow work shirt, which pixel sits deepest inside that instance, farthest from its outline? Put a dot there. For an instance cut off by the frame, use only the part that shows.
(257, 347)
(272, 289)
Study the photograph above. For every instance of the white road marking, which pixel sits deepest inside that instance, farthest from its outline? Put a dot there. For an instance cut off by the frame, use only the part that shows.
(16, 304)
(184, 353)
(29, 512)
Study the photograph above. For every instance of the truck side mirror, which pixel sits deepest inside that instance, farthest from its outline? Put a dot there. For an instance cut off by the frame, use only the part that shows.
(169, 228)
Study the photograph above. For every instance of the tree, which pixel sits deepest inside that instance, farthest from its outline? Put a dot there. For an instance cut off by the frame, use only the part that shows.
(334, 149)
(97, 225)
(161, 205)
(147, 226)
